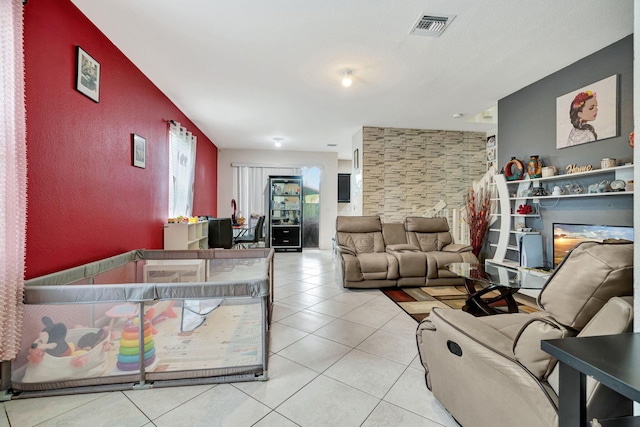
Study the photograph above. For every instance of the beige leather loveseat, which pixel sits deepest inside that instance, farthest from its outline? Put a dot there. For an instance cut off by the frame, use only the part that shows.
(491, 371)
(373, 254)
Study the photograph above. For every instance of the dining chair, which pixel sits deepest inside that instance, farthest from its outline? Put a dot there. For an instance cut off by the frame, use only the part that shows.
(220, 233)
(253, 237)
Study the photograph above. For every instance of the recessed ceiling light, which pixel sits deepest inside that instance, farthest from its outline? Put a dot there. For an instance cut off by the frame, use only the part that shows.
(278, 142)
(457, 115)
(332, 145)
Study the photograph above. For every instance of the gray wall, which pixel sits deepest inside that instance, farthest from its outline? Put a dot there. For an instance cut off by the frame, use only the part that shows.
(527, 126)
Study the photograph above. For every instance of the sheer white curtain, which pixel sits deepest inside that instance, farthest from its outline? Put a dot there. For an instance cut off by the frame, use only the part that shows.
(13, 177)
(182, 170)
(250, 184)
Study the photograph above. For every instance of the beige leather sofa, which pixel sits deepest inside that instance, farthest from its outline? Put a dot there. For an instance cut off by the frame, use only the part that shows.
(414, 253)
(490, 371)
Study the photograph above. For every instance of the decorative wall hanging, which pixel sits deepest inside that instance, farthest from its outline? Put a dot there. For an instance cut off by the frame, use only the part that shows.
(587, 114)
(491, 151)
(139, 150)
(87, 75)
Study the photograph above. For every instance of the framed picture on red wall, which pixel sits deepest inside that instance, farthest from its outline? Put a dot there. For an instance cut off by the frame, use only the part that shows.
(139, 150)
(87, 75)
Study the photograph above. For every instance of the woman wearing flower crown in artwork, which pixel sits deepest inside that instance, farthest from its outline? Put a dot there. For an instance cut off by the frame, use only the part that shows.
(584, 108)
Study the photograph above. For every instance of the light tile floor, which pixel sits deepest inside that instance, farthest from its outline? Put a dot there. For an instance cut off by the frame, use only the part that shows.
(339, 357)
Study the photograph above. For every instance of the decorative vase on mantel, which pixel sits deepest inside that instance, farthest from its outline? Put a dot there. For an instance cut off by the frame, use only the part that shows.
(534, 167)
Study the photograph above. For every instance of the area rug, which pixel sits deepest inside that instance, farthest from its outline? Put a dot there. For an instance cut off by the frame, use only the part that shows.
(418, 302)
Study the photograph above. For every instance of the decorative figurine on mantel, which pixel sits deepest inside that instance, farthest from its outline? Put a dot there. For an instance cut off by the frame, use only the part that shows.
(534, 168)
(540, 191)
(577, 169)
(514, 170)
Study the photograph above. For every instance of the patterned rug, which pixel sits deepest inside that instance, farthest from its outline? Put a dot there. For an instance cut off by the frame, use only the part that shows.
(418, 302)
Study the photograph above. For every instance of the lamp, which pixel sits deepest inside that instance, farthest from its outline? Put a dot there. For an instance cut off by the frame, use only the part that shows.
(346, 78)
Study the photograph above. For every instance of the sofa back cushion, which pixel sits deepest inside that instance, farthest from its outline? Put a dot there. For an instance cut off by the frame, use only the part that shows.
(426, 225)
(429, 234)
(358, 224)
(586, 279)
(360, 234)
(394, 234)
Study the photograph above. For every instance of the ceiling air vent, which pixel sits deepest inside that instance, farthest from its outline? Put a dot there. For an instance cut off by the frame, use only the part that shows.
(431, 25)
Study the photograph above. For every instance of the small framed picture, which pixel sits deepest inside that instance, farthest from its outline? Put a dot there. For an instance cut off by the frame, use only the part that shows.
(139, 150)
(87, 75)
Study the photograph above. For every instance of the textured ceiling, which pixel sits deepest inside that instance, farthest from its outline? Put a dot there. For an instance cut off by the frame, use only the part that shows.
(249, 71)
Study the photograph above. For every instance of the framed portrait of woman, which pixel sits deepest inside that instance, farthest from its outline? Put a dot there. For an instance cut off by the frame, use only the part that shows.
(587, 114)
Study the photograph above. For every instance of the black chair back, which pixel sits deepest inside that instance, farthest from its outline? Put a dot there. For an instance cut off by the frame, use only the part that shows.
(220, 233)
(259, 233)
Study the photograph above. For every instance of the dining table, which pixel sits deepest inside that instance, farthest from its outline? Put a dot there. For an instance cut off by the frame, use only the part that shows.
(239, 230)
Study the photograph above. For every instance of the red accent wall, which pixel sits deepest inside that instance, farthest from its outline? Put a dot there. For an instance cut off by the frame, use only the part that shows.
(85, 199)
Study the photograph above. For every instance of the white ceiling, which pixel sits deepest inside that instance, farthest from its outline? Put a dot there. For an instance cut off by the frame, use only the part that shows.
(248, 71)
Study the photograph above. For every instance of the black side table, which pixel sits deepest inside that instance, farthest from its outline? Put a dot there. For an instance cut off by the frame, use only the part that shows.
(614, 360)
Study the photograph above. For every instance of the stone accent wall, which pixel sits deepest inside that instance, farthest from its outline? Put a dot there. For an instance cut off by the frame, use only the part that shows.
(407, 171)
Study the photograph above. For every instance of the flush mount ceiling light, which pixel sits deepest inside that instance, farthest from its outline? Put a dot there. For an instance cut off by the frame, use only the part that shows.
(346, 78)
(457, 115)
(278, 142)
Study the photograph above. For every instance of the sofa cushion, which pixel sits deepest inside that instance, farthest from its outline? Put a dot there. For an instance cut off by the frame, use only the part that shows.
(429, 242)
(411, 262)
(456, 247)
(360, 243)
(378, 266)
(402, 247)
(587, 278)
(429, 234)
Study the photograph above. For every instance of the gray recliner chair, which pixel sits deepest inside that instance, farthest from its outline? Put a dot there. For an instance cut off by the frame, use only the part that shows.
(490, 371)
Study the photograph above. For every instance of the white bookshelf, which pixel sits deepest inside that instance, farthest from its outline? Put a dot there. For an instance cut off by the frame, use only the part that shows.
(186, 236)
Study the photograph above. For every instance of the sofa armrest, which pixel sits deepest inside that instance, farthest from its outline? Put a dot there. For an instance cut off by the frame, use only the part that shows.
(350, 266)
(344, 250)
(526, 346)
(402, 247)
(469, 325)
(456, 247)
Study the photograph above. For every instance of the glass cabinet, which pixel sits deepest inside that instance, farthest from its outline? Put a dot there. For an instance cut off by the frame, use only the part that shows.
(285, 213)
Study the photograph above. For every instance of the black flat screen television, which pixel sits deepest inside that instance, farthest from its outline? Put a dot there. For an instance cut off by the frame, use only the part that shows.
(344, 187)
(567, 236)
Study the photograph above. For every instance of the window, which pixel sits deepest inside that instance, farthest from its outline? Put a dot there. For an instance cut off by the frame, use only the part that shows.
(182, 167)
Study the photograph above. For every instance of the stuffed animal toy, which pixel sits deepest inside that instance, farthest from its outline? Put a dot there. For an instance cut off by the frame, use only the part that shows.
(89, 340)
(52, 339)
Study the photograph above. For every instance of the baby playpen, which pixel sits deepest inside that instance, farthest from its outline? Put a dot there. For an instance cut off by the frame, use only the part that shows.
(145, 318)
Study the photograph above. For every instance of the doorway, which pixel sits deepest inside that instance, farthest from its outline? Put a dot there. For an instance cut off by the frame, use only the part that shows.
(250, 193)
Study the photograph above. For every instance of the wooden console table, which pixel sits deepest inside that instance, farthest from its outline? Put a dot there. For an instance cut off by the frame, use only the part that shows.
(614, 360)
